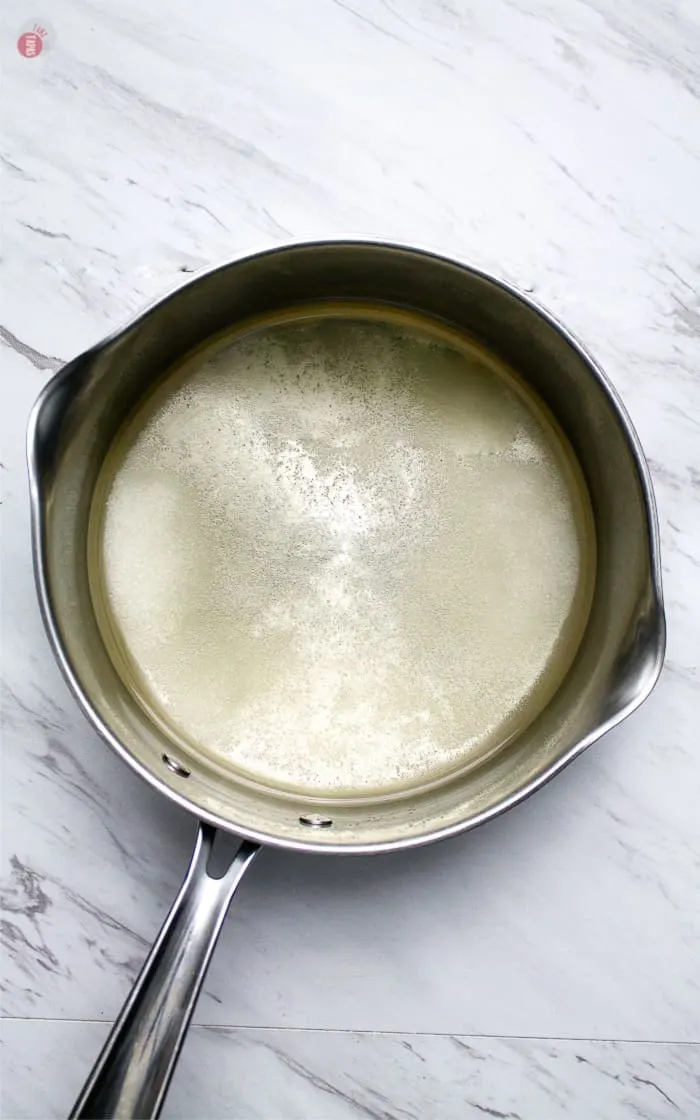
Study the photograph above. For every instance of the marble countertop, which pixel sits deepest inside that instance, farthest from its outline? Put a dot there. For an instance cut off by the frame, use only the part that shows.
(546, 965)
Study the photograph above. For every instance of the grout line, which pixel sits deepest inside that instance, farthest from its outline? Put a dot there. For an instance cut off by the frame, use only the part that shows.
(382, 1034)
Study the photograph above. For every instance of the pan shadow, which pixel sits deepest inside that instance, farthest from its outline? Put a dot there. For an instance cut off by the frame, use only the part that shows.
(278, 875)
(486, 859)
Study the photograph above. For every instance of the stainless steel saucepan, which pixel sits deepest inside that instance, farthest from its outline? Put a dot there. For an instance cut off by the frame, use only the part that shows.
(615, 667)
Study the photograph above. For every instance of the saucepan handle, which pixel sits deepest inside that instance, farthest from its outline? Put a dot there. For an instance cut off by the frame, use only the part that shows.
(131, 1076)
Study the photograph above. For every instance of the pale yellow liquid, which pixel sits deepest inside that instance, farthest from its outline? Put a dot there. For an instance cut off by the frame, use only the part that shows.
(342, 551)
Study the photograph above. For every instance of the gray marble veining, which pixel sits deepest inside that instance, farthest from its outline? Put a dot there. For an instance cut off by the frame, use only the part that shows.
(557, 145)
(309, 1075)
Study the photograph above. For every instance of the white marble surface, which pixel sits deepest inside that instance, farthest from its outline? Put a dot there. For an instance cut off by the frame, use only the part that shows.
(307, 1075)
(556, 143)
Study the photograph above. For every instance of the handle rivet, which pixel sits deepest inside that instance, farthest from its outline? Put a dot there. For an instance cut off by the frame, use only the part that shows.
(176, 767)
(315, 820)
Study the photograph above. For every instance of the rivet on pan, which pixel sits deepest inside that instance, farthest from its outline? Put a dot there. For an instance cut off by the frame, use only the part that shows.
(315, 820)
(176, 767)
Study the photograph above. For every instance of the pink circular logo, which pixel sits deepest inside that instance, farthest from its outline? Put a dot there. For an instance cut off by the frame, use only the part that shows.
(30, 44)
(34, 38)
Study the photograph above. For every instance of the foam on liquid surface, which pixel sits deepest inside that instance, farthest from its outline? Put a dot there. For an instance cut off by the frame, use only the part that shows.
(342, 553)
